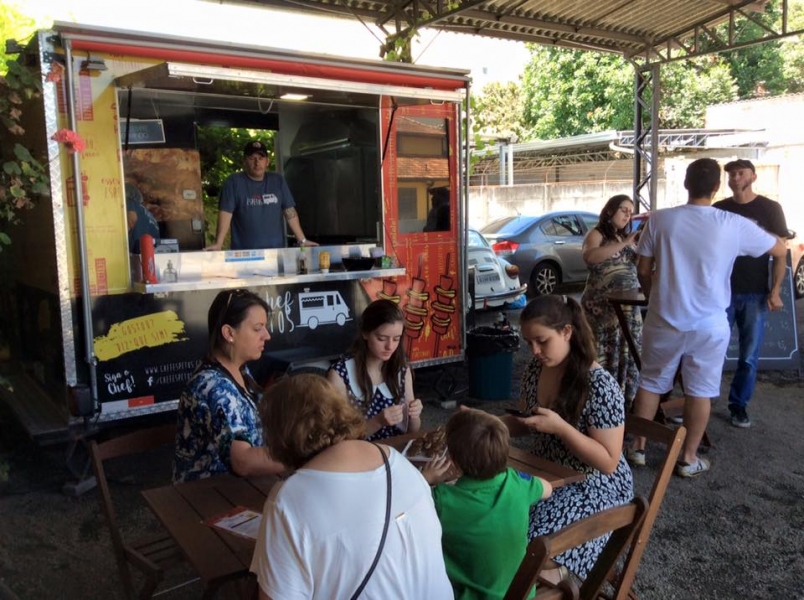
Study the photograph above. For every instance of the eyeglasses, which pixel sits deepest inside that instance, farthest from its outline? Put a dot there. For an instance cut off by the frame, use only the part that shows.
(236, 293)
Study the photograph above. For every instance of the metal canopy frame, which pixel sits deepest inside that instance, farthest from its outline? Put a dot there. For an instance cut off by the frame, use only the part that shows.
(645, 32)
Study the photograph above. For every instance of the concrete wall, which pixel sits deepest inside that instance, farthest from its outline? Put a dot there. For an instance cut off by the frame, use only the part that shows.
(488, 203)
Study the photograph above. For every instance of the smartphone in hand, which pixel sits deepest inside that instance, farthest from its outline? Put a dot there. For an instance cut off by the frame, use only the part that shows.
(517, 413)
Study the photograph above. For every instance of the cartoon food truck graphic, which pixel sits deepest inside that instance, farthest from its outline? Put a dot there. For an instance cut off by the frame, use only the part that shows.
(321, 308)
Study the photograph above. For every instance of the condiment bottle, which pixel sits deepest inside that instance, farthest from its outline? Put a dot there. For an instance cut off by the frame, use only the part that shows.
(147, 258)
(302, 262)
(169, 275)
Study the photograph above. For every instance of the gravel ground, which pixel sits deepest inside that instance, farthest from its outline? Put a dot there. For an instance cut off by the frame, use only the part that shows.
(735, 532)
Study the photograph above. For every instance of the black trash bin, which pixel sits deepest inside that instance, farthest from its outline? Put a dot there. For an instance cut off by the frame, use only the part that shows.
(491, 362)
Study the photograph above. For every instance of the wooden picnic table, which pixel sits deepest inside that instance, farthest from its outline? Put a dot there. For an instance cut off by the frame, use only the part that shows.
(219, 557)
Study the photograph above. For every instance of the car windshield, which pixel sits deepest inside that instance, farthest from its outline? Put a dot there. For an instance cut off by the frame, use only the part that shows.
(508, 225)
(475, 240)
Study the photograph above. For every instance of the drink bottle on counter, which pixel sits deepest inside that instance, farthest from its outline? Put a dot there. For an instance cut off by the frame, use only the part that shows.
(302, 262)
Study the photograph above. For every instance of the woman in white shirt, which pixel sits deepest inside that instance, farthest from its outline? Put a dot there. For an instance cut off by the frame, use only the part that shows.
(322, 527)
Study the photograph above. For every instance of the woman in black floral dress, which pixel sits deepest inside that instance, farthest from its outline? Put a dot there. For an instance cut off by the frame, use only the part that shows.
(578, 418)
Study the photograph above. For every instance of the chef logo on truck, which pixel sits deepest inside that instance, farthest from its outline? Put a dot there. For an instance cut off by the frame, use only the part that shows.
(320, 308)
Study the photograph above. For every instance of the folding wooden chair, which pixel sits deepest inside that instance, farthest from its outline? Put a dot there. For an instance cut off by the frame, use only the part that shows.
(671, 439)
(153, 555)
(621, 521)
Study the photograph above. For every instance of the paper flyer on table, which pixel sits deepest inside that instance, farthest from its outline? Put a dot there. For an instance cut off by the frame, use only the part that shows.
(239, 521)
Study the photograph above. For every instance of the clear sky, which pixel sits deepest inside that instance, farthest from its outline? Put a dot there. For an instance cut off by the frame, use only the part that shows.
(488, 59)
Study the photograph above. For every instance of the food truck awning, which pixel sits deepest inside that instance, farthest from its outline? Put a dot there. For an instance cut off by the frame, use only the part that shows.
(643, 29)
(267, 85)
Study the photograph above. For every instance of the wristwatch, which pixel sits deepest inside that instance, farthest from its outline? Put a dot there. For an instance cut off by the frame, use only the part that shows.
(301, 243)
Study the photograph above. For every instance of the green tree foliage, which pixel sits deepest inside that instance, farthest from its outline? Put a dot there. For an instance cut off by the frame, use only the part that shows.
(688, 87)
(14, 25)
(570, 92)
(758, 69)
(498, 110)
(792, 51)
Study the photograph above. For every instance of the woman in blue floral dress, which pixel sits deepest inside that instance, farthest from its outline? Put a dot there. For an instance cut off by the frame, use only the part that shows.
(218, 424)
(375, 376)
(577, 420)
(610, 253)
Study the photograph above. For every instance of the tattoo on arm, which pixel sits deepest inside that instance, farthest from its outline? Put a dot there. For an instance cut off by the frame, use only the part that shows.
(290, 213)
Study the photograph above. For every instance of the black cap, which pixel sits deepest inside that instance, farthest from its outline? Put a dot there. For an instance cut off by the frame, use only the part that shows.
(741, 163)
(255, 147)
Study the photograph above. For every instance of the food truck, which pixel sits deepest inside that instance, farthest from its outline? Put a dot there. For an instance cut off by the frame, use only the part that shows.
(360, 143)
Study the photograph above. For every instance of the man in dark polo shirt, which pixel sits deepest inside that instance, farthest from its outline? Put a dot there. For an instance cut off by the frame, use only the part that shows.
(253, 203)
(750, 296)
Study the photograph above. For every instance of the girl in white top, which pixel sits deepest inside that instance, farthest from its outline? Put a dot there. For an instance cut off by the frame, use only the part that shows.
(375, 376)
(321, 527)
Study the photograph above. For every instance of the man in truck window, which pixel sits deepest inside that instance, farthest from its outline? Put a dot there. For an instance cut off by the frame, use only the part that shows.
(252, 203)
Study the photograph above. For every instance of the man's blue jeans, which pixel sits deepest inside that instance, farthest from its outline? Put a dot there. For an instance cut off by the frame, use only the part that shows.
(748, 311)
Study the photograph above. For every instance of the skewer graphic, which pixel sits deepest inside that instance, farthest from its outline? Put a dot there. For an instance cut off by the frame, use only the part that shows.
(443, 306)
(416, 308)
(389, 291)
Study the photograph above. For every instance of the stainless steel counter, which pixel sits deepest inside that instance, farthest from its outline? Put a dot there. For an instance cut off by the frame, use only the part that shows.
(256, 280)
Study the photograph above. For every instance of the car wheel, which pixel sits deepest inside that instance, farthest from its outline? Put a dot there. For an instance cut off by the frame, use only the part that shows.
(543, 280)
(798, 280)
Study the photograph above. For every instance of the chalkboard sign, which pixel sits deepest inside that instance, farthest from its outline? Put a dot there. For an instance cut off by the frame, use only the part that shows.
(780, 343)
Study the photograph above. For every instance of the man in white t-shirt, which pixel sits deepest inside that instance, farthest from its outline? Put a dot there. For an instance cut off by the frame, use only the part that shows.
(686, 254)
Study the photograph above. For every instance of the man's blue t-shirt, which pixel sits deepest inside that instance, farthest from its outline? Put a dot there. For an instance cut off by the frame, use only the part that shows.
(256, 208)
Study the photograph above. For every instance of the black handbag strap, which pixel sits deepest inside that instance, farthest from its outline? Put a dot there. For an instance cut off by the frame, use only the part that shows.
(384, 528)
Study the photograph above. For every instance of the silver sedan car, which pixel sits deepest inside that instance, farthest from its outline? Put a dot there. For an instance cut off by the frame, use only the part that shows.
(547, 249)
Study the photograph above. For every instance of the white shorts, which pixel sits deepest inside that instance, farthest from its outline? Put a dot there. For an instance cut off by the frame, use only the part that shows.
(700, 354)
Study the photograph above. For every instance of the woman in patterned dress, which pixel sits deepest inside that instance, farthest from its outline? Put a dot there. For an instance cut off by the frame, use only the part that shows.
(610, 252)
(218, 424)
(375, 376)
(578, 420)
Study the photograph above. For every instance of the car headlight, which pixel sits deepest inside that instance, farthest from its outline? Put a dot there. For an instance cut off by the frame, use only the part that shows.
(512, 271)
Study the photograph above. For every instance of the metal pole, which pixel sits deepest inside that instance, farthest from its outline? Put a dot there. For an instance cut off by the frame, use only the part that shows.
(463, 206)
(86, 304)
(654, 135)
(503, 156)
(510, 164)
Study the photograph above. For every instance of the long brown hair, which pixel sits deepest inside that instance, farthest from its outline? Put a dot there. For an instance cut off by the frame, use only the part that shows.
(303, 415)
(604, 224)
(556, 312)
(377, 314)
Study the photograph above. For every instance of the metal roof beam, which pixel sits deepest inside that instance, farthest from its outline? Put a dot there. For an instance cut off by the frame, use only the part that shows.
(671, 47)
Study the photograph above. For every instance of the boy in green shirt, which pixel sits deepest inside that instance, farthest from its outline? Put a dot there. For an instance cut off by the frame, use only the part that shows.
(484, 516)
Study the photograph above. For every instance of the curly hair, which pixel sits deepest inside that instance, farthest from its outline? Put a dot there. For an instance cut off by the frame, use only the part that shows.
(303, 415)
(478, 443)
(556, 313)
(604, 225)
